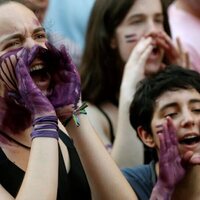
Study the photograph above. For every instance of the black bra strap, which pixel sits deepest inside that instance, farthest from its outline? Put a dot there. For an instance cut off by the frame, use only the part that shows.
(110, 125)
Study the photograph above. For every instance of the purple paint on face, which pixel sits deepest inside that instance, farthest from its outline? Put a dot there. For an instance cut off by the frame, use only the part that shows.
(130, 38)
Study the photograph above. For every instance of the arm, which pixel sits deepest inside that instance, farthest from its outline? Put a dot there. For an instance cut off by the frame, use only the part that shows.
(127, 142)
(103, 175)
(4, 194)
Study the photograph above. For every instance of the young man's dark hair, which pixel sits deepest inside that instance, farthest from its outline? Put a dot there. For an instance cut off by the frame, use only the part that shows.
(148, 90)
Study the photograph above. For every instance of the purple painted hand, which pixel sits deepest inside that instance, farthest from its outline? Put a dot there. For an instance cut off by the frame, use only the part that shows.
(171, 168)
(65, 81)
(45, 120)
(171, 165)
(30, 93)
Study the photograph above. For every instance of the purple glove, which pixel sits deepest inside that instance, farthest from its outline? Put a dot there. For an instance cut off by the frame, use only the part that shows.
(65, 79)
(45, 120)
(171, 166)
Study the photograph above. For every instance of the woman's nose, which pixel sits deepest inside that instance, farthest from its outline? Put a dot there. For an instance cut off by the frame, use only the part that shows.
(29, 43)
(152, 27)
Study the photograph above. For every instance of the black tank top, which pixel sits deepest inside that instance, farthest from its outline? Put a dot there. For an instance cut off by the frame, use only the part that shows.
(72, 185)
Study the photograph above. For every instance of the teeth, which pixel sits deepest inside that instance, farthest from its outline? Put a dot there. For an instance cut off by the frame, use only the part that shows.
(190, 139)
(190, 136)
(36, 67)
(47, 92)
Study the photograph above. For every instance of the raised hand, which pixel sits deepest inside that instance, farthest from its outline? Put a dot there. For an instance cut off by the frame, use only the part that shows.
(135, 69)
(65, 82)
(174, 53)
(171, 166)
(45, 120)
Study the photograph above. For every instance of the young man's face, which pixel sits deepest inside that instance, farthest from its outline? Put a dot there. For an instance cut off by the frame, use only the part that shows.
(183, 106)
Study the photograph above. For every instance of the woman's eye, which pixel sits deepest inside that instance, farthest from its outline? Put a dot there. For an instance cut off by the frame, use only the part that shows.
(12, 44)
(159, 21)
(136, 22)
(40, 36)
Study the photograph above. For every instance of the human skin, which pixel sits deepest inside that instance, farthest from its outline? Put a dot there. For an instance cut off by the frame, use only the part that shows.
(26, 32)
(42, 159)
(141, 42)
(177, 123)
(184, 109)
(141, 20)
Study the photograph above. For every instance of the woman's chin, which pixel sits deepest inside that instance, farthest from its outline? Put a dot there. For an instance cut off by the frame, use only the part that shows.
(152, 68)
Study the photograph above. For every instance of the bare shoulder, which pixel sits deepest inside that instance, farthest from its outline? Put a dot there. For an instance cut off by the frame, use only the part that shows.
(100, 122)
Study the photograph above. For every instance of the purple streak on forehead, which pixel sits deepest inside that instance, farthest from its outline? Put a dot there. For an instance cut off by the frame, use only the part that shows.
(131, 38)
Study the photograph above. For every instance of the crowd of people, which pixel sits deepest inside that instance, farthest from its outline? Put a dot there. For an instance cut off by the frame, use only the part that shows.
(101, 104)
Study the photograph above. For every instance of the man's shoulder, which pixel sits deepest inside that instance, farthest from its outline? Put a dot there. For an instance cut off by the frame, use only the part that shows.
(140, 172)
(142, 179)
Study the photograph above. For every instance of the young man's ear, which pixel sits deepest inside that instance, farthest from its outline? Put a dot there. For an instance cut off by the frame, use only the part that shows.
(146, 137)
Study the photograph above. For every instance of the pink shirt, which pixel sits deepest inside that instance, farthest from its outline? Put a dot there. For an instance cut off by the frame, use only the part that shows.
(187, 28)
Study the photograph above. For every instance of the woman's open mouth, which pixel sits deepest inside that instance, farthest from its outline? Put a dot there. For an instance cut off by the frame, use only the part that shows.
(41, 76)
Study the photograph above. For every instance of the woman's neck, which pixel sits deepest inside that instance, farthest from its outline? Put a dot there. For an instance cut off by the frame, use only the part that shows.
(21, 139)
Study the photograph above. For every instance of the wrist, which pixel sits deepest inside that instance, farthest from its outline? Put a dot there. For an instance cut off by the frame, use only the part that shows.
(45, 127)
(162, 190)
(75, 115)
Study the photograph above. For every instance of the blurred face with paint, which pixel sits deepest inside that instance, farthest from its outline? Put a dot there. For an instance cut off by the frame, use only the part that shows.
(145, 18)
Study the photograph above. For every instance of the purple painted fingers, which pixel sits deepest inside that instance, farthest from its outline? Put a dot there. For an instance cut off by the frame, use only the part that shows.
(45, 120)
(66, 87)
(171, 165)
(171, 168)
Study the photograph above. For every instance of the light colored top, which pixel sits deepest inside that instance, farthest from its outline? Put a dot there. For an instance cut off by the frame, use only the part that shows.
(69, 19)
(187, 28)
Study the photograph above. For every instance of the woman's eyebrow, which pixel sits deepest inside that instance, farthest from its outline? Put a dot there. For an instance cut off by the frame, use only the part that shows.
(38, 30)
(194, 101)
(9, 37)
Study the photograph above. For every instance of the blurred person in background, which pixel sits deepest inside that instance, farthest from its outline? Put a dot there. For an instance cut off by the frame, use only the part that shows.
(69, 20)
(121, 39)
(184, 20)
